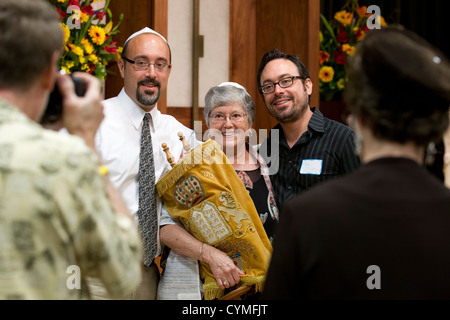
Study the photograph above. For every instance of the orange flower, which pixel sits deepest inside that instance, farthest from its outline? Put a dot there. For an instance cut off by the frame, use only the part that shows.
(361, 11)
(381, 21)
(323, 57)
(344, 17)
(348, 49)
(326, 73)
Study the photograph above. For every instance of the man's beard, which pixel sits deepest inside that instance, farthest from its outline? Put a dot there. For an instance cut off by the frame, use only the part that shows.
(293, 115)
(148, 99)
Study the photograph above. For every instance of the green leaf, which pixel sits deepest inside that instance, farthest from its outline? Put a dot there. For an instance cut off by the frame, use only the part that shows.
(328, 27)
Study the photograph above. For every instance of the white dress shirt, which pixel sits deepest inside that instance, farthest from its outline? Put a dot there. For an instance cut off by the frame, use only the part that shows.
(118, 143)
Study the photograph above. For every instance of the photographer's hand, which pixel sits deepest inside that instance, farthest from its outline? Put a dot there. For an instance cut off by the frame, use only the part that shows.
(82, 115)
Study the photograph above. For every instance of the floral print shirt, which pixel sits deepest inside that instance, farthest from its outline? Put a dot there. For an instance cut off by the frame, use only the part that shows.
(57, 226)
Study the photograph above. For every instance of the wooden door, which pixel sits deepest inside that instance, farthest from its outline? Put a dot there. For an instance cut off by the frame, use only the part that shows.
(291, 26)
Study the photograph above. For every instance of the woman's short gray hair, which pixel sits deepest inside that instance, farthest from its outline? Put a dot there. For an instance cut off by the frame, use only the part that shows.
(225, 94)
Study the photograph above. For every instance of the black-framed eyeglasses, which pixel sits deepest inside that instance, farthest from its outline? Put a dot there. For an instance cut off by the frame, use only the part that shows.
(283, 83)
(142, 64)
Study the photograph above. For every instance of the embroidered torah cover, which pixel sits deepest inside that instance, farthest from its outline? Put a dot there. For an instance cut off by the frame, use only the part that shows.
(204, 194)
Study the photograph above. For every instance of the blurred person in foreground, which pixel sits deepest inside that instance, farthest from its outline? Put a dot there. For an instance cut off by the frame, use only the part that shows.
(61, 219)
(381, 232)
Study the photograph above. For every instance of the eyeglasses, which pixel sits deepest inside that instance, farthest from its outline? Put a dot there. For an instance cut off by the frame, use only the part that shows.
(220, 118)
(283, 83)
(142, 64)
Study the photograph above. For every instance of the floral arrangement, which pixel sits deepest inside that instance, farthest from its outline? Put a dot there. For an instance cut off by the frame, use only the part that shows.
(88, 36)
(338, 39)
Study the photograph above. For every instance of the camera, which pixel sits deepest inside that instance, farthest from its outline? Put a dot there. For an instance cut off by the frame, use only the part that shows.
(54, 109)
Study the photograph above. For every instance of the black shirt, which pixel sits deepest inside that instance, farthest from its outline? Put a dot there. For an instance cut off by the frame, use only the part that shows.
(390, 214)
(324, 152)
(257, 188)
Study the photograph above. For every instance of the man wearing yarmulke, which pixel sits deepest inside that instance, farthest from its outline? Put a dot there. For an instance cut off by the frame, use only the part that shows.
(129, 143)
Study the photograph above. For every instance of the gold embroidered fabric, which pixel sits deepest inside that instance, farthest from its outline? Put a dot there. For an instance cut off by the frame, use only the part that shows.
(204, 193)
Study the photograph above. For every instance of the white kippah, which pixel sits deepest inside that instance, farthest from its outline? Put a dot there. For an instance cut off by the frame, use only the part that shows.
(234, 84)
(145, 30)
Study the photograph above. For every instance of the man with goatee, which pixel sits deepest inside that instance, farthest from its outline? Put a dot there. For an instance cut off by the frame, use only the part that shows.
(312, 149)
(145, 66)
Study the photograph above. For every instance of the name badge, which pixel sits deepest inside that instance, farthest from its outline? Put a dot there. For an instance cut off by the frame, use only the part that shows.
(311, 166)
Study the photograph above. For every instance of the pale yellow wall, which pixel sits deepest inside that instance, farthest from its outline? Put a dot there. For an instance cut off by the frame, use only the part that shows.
(214, 66)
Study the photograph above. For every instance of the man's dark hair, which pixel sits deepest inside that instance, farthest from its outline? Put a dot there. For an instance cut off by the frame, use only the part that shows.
(275, 54)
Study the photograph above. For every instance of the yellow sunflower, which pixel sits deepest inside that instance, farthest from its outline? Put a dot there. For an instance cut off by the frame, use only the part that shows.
(326, 74)
(97, 35)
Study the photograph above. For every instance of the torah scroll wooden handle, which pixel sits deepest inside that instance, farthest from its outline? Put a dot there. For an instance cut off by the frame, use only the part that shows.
(186, 146)
(169, 156)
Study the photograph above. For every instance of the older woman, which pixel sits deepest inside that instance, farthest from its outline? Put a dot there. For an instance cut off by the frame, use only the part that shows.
(381, 232)
(229, 113)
